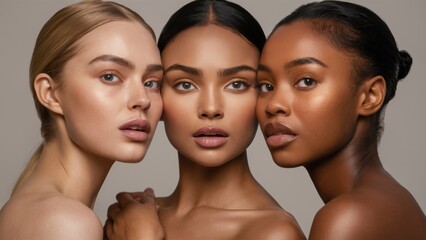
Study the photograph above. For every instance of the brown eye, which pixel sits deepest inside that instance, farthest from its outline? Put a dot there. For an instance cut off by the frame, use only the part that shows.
(266, 87)
(185, 86)
(306, 83)
(237, 85)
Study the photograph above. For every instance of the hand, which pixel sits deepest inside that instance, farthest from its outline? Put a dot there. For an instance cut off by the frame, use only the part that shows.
(134, 217)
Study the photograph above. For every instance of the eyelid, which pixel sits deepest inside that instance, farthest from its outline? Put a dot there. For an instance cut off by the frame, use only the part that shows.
(300, 80)
(110, 72)
(179, 82)
(155, 82)
(244, 82)
(262, 83)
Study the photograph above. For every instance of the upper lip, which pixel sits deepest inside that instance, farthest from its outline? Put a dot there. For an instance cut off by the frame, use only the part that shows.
(138, 124)
(276, 128)
(210, 131)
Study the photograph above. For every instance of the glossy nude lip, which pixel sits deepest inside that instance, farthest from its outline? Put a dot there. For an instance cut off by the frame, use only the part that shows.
(136, 129)
(278, 134)
(210, 137)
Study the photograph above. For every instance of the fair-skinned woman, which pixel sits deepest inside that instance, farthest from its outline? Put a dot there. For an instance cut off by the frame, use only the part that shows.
(99, 102)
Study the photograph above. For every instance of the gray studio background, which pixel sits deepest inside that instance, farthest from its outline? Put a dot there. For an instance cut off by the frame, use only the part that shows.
(402, 148)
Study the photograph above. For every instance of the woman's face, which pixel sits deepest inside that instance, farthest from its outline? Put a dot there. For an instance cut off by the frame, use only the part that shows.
(110, 95)
(209, 95)
(307, 108)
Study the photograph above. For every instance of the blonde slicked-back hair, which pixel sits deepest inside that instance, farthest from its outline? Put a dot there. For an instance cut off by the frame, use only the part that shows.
(57, 43)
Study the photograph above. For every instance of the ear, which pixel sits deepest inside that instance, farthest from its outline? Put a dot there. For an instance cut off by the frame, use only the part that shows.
(45, 89)
(372, 95)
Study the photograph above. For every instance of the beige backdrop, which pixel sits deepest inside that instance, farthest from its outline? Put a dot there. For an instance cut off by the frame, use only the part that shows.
(403, 148)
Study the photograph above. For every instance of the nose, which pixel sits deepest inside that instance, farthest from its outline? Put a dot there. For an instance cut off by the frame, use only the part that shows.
(278, 104)
(138, 97)
(210, 106)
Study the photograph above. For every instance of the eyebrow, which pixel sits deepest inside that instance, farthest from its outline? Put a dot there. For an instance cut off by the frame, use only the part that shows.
(111, 58)
(222, 72)
(294, 63)
(153, 68)
(233, 70)
(183, 68)
(263, 68)
(304, 61)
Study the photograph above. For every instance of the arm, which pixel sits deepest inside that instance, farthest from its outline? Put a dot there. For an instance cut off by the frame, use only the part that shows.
(134, 217)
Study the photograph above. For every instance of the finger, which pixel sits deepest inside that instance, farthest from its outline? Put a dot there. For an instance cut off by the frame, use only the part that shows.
(113, 210)
(137, 195)
(108, 229)
(124, 198)
(148, 197)
(149, 191)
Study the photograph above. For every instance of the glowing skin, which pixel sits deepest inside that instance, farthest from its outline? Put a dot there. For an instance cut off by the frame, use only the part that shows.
(209, 98)
(209, 102)
(106, 109)
(307, 90)
(108, 91)
(315, 113)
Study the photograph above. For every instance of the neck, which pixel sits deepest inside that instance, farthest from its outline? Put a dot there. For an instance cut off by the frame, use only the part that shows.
(65, 168)
(216, 187)
(342, 171)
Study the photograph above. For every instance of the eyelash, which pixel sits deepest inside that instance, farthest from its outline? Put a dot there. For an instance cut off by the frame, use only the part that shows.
(109, 74)
(187, 86)
(156, 87)
(180, 86)
(147, 83)
(241, 83)
(307, 81)
(265, 87)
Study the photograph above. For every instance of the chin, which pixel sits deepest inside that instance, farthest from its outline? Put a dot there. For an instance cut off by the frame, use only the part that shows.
(211, 162)
(130, 156)
(285, 161)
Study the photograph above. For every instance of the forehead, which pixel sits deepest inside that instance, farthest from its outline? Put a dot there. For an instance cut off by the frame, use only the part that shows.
(210, 43)
(299, 39)
(126, 39)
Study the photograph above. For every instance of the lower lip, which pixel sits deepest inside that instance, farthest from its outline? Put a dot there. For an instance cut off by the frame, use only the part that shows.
(138, 136)
(280, 140)
(211, 142)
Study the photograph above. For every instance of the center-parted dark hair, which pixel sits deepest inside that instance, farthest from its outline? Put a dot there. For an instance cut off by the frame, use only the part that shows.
(359, 31)
(219, 12)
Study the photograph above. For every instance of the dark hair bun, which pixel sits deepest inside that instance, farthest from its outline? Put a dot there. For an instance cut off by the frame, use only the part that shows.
(405, 62)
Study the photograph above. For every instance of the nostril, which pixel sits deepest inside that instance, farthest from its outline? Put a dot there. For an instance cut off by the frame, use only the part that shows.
(211, 115)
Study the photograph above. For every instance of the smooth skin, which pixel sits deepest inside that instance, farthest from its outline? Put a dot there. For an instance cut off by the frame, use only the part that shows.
(103, 87)
(209, 89)
(307, 86)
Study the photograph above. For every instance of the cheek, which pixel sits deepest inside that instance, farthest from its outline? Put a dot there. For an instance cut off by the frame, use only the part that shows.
(242, 113)
(155, 111)
(177, 112)
(327, 121)
(245, 112)
(260, 110)
(88, 113)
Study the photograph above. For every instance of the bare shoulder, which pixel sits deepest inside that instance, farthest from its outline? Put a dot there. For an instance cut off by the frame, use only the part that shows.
(273, 224)
(338, 219)
(365, 216)
(48, 217)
